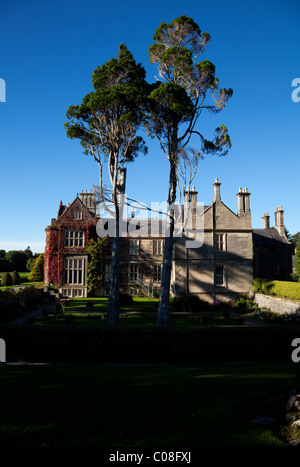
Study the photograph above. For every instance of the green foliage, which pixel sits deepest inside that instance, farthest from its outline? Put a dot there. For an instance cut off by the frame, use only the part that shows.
(289, 290)
(188, 303)
(30, 262)
(245, 305)
(297, 262)
(95, 272)
(14, 260)
(107, 120)
(148, 345)
(16, 279)
(177, 46)
(125, 299)
(6, 280)
(295, 239)
(37, 271)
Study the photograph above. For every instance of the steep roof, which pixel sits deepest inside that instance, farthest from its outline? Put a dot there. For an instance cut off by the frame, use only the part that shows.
(265, 235)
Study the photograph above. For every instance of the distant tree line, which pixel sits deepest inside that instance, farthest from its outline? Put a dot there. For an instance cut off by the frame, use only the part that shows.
(17, 260)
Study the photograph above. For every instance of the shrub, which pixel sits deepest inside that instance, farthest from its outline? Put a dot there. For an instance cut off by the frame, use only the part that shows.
(147, 345)
(289, 290)
(37, 271)
(125, 299)
(6, 280)
(16, 279)
(188, 303)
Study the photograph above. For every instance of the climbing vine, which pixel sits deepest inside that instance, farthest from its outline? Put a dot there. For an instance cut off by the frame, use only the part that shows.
(95, 272)
(55, 251)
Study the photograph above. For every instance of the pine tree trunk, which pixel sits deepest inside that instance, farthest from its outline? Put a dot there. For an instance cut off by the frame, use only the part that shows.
(113, 296)
(163, 306)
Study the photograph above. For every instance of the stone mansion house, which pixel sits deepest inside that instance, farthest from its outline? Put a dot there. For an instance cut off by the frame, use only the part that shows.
(232, 253)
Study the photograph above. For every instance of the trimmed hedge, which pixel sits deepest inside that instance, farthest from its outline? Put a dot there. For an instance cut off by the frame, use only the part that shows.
(70, 344)
(289, 290)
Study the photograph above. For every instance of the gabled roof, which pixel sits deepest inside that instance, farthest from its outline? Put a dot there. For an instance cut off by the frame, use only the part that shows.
(64, 210)
(265, 235)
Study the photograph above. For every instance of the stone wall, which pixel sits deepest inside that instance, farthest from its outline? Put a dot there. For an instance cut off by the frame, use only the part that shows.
(277, 305)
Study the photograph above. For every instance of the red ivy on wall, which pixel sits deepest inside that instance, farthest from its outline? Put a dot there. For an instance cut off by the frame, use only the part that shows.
(55, 251)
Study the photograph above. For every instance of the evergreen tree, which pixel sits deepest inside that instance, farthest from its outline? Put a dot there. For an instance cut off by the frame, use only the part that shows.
(6, 280)
(176, 103)
(37, 271)
(16, 279)
(107, 123)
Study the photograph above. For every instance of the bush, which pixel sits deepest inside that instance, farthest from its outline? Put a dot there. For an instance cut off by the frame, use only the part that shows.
(125, 299)
(188, 303)
(16, 279)
(6, 280)
(147, 345)
(289, 290)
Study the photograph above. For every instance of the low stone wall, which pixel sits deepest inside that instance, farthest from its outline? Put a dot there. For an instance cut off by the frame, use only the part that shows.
(277, 305)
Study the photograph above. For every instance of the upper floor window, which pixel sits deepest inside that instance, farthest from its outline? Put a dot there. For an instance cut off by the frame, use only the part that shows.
(157, 247)
(134, 247)
(77, 215)
(220, 242)
(74, 238)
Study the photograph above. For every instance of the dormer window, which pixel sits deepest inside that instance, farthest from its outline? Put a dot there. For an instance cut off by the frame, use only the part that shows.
(77, 215)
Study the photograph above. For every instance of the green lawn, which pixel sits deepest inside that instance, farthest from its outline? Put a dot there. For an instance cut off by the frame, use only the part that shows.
(24, 281)
(179, 406)
(141, 312)
(100, 304)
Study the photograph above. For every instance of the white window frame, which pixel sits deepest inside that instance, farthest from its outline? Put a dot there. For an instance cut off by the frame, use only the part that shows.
(74, 238)
(133, 272)
(220, 241)
(158, 247)
(157, 271)
(220, 273)
(134, 247)
(74, 270)
(133, 292)
(77, 215)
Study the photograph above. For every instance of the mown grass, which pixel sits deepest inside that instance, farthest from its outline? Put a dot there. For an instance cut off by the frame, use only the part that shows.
(141, 312)
(179, 406)
(24, 281)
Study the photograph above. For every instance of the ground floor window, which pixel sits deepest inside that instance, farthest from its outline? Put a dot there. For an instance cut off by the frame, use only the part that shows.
(73, 293)
(74, 271)
(133, 272)
(220, 279)
(133, 292)
(157, 272)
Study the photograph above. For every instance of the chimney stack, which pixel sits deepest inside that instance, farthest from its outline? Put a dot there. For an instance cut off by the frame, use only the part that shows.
(279, 224)
(266, 221)
(243, 202)
(191, 197)
(89, 200)
(217, 196)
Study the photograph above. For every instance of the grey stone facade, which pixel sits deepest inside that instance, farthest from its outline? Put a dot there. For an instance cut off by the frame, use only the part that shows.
(220, 269)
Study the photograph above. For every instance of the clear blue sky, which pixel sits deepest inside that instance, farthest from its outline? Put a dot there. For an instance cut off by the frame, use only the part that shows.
(49, 50)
